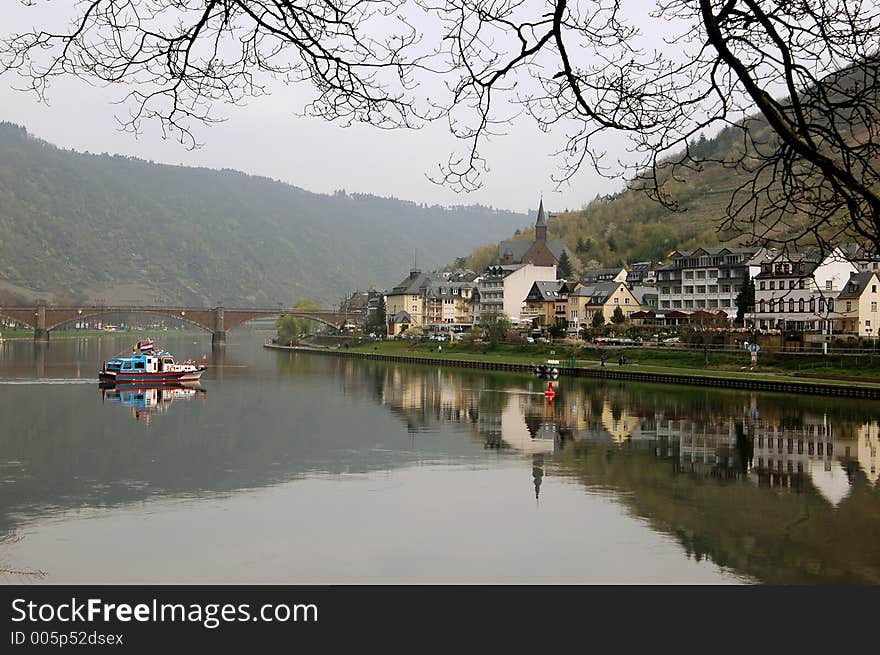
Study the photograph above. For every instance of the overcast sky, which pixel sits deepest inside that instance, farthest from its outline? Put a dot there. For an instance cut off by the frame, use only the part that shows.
(266, 137)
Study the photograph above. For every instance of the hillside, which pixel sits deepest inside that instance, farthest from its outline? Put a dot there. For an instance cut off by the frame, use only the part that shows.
(103, 228)
(628, 226)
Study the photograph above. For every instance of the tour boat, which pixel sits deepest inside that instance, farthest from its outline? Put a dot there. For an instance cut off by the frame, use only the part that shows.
(146, 364)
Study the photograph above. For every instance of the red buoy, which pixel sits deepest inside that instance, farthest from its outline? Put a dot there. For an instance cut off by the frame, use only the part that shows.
(549, 392)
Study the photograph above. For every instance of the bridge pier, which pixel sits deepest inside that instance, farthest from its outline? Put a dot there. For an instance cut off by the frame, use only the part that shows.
(41, 334)
(218, 337)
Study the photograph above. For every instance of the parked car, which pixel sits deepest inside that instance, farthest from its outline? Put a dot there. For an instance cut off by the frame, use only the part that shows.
(530, 339)
(672, 340)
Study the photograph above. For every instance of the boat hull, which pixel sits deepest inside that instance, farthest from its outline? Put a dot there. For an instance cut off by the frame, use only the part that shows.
(162, 377)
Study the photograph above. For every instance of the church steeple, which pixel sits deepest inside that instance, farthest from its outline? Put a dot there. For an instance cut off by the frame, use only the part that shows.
(541, 224)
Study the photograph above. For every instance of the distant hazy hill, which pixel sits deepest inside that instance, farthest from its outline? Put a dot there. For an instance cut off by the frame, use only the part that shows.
(117, 229)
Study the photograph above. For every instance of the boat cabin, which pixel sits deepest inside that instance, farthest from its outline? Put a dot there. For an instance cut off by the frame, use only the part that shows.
(155, 363)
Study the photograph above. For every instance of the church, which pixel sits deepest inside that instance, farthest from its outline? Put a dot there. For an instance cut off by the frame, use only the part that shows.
(539, 252)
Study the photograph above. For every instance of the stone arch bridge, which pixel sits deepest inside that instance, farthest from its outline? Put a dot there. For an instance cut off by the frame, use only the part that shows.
(218, 320)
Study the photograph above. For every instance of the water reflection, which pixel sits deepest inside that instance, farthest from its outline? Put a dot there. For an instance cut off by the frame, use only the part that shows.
(778, 488)
(145, 402)
(771, 487)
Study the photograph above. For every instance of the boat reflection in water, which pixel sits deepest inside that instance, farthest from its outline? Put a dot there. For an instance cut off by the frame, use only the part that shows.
(147, 401)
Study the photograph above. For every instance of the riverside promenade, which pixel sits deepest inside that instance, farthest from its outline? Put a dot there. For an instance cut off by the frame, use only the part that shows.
(632, 372)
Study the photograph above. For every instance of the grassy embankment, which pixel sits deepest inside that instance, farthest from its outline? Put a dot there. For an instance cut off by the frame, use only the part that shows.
(866, 367)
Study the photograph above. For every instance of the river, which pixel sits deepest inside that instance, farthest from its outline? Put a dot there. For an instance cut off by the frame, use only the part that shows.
(296, 468)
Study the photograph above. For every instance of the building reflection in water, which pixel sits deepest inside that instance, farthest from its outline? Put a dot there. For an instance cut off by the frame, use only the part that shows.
(146, 402)
(779, 446)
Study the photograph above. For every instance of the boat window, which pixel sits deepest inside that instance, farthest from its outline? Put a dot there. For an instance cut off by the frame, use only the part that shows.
(139, 364)
(126, 365)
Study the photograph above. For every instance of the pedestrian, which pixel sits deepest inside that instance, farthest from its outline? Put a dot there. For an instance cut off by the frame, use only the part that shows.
(620, 361)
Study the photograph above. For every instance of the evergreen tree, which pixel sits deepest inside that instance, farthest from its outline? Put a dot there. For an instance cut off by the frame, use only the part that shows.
(598, 319)
(563, 270)
(618, 316)
(745, 300)
(378, 320)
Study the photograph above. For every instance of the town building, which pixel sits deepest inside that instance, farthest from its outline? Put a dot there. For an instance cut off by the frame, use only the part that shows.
(547, 303)
(856, 305)
(604, 298)
(408, 297)
(707, 279)
(594, 275)
(503, 289)
(642, 274)
(449, 304)
(797, 291)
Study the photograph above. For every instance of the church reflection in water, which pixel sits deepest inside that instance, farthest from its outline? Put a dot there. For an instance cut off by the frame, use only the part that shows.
(145, 402)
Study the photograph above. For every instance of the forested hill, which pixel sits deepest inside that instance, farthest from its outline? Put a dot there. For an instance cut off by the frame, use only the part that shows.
(102, 228)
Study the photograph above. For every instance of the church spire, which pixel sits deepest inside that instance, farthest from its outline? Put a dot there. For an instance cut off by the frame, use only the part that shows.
(541, 224)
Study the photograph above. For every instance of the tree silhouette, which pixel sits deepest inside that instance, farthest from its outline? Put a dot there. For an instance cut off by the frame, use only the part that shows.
(808, 70)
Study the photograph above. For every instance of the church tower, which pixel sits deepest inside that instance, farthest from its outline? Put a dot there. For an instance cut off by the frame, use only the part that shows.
(540, 224)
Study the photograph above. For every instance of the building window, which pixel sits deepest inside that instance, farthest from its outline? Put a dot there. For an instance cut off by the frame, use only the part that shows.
(848, 306)
(725, 288)
(763, 285)
(701, 275)
(688, 275)
(812, 305)
(873, 307)
(801, 284)
(688, 289)
(701, 289)
(790, 305)
(801, 305)
(829, 285)
(772, 285)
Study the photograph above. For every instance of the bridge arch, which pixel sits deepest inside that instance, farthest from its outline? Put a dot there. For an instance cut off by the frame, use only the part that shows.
(96, 312)
(25, 316)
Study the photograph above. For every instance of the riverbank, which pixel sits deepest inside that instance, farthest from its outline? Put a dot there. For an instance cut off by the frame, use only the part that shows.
(582, 367)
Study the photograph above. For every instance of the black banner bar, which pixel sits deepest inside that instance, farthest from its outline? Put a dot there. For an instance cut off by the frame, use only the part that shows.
(239, 618)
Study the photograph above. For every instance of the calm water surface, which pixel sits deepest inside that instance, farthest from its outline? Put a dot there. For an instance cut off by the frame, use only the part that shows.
(308, 469)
